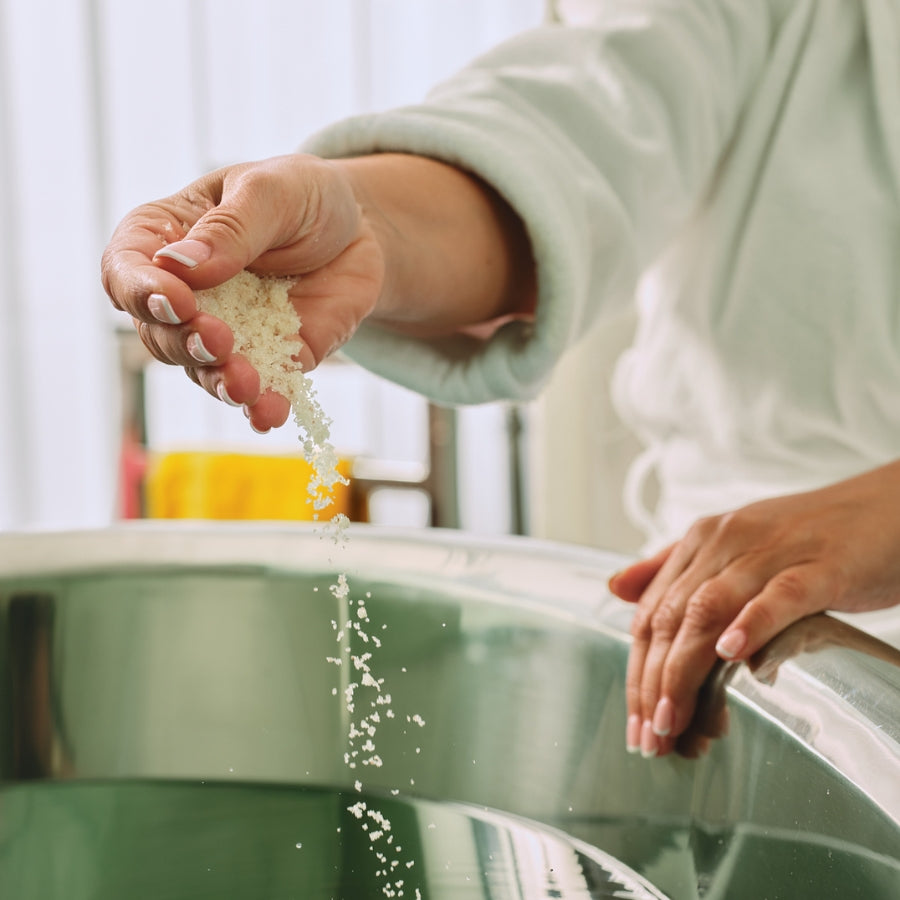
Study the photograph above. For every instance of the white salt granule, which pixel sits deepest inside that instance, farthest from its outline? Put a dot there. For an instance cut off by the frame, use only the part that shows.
(341, 589)
(362, 661)
(266, 331)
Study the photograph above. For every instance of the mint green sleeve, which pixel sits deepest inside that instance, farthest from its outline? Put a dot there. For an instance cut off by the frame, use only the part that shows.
(602, 137)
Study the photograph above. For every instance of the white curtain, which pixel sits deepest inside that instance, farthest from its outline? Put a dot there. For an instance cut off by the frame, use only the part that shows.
(57, 404)
(105, 104)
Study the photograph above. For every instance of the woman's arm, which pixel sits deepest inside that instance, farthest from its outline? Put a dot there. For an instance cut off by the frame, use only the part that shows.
(415, 244)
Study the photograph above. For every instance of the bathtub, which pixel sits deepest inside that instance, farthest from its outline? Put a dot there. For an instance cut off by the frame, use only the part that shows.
(194, 710)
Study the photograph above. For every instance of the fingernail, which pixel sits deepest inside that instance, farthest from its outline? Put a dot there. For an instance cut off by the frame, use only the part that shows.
(161, 309)
(222, 393)
(248, 413)
(663, 717)
(633, 734)
(731, 643)
(196, 348)
(649, 743)
(188, 253)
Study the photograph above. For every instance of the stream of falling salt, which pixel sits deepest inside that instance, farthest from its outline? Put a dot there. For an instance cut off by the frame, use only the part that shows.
(266, 329)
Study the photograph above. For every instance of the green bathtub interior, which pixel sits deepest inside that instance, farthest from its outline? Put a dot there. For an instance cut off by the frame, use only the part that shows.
(171, 726)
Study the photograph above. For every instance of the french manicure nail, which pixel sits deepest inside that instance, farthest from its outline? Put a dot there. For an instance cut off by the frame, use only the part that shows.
(188, 253)
(248, 413)
(633, 734)
(222, 393)
(663, 717)
(731, 643)
(649, 743)
(161, 309)
(197, 349)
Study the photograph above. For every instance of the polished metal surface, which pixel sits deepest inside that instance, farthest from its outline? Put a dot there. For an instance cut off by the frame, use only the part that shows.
(214, 840)
(142, 657)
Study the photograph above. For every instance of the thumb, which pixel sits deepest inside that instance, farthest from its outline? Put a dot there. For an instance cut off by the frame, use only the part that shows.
(220, 244)
(235, 216)
(288, 215)
(789, 596)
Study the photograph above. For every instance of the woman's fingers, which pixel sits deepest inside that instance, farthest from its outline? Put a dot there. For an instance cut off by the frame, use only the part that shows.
(731, 615)
(687, 653)
(204, 341)
(271, 410)
(705, 580)
(135, 284)
(234, 382)
(663, 572)
(630, 583)
(204, 348)
(268, 410)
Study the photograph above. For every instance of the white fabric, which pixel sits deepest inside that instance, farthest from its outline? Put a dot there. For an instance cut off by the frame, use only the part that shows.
(735, 166)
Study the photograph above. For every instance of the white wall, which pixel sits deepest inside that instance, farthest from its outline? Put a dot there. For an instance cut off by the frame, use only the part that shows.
(105, 104)
(57, 413)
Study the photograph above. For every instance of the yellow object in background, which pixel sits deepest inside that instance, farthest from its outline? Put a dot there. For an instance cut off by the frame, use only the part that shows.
(206, 485)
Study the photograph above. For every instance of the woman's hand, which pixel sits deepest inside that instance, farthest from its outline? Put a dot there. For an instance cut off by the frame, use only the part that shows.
(737, 580)
(294, 216)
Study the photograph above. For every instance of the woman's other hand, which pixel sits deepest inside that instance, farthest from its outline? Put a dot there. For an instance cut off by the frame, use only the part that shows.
(736, 580)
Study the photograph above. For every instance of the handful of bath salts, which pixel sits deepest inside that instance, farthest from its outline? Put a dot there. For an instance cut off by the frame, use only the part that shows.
(265, 327)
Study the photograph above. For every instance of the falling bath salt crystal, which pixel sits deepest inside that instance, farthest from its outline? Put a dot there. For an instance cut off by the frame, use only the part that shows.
(266, 330)
(341, 589)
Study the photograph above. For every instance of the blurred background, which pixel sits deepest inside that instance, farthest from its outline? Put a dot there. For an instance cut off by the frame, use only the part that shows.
(105, 105)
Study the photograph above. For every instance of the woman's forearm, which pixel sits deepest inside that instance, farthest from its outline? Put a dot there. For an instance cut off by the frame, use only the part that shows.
(457, 255)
